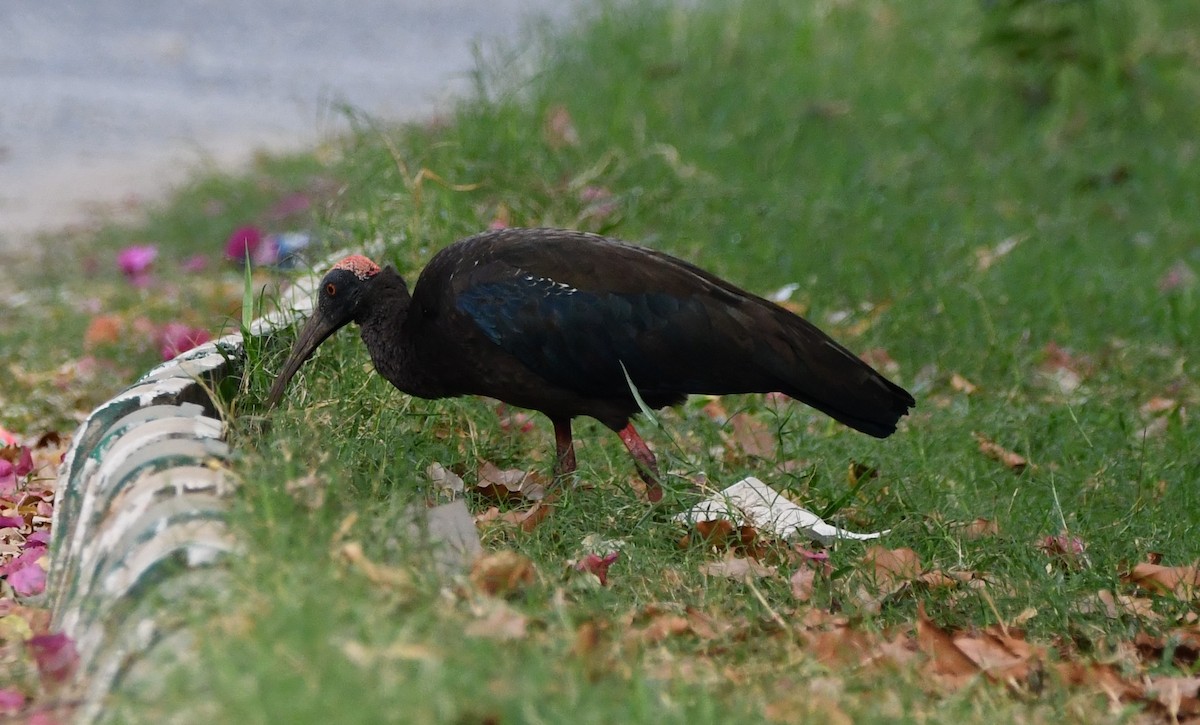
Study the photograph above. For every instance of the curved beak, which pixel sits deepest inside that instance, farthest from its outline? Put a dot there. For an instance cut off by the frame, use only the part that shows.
(315, 331)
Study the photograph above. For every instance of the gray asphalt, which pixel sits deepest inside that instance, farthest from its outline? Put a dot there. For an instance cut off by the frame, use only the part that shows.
(104, 106)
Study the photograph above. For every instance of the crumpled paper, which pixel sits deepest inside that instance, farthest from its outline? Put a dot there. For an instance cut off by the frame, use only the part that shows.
(750, 502)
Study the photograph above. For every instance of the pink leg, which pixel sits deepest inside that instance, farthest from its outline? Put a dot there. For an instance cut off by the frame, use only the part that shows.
(564, 444)
(644, 459)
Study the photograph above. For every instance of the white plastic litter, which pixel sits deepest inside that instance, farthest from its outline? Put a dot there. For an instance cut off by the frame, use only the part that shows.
(750, 502)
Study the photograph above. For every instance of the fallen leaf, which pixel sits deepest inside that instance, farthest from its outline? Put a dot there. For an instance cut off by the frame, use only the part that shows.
(502, 573)
(55, 656)
(977, 529)
(1115, 606)
(500, 621)
(598, 565)
(28, 580)
(985, 257)
(735, 567)
(1179, 696)
(945, 656)
(308, 491)
(876, 357)
(1179, 276)
(1181, 581)
(11, 701)
(386, 576)
(102, 330)
(510, 484)
(444, 479)
(802, 581)
(558, 129)
(962, 385)
(892, 567)
(721, 534)
(750, 437)
(857, 472)
(1070, 550)
(1158, 405)
(659, 624)
(996, 452)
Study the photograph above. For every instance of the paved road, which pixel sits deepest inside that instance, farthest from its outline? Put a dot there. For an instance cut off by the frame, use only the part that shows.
(104, 105)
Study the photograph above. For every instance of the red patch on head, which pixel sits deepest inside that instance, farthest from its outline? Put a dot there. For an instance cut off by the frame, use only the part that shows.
(362, 267)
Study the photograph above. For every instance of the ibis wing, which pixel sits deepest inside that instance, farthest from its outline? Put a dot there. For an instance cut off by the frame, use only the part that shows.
(580, 339)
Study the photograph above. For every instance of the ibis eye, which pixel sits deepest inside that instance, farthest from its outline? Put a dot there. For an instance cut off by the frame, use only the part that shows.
(331, 289)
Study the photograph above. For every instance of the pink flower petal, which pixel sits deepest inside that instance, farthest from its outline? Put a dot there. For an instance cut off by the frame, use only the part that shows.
(7, 438)
(29, 580)
(296, 203)
(242, 243)
(38, 537)
(14, 522)
(8, 476)
(28, 557)
(25, 463)
(55, 656)
(136, 260)
(11, 700)
(176, 338)
(267, 252)
(195, 263)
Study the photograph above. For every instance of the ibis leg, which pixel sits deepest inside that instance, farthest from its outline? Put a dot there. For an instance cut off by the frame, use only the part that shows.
(643, 457)
(564, 446)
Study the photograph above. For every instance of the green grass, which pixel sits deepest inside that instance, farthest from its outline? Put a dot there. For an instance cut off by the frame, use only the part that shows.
(868, 151)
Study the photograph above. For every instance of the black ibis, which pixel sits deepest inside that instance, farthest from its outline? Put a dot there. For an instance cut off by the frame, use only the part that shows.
(561, 322)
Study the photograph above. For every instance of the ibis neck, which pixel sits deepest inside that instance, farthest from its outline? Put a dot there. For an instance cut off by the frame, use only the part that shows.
(392, 350)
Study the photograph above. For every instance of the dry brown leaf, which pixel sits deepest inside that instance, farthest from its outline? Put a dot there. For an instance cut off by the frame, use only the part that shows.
(715, 410)
(736, 567)
(985, 257)
(1114, 605)
(857, 472)
(443, 479)
(510, 484)
(706, 626)
(1182, 581)
(588, 636)
(962, 385)
(1157, 406)
(976, 529)
(526, 519)
(499, 621)
(841, 646)
(749, 437)
(803, 580)
(1178, 696)
(558, 129)
(876, 357)
(502, 573)
(996, 452)
(1103, 678)
(308, 491)
(386, 576)
(103, 330)
(945, 657)
(892, 567)
(659, 624)
(722, 534)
